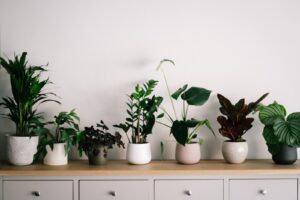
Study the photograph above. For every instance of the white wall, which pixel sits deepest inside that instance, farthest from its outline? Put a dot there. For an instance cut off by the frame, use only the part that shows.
(99, 49)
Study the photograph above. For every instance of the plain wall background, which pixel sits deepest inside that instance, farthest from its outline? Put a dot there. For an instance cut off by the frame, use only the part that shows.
(99, 49)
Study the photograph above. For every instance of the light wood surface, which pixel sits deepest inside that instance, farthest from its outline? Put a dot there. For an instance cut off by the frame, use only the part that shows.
(120, 168)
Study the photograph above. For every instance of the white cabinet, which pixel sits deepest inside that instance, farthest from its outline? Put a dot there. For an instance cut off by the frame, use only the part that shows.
(263, 189)
(188, 189)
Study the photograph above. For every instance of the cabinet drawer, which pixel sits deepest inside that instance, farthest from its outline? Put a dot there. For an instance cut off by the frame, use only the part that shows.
(45, 190)
(189, 189)
(268, 189)
(114, 189)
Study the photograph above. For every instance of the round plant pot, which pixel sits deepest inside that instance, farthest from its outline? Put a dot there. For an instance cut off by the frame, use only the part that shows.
(138, 154)
(286, 156)
(168, 149)
(188, 154)
(235, 152)
(57, 156)
(20, 150)
(98, 156)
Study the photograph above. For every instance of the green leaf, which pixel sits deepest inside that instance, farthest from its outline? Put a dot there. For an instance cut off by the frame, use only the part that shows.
(160, 115)
(269, 114)
(176, 94)
(269, 135)
(288, 132)
(179, 130)
(196, 96)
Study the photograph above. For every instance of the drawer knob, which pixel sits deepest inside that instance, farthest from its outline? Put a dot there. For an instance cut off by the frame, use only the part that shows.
(188, 192)
(264, 192)
(113, 193)
(36, 193)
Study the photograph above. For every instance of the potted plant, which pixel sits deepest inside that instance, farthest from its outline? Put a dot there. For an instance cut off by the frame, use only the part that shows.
(281, 132)
(95, 142)
(54, 147)
(27, 88)
(142, 109)
(185, 129)
(234, 124)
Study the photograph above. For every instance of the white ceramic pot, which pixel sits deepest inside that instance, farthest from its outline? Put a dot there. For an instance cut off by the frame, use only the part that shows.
(20, 150)
(188, 154)
(57, 156)
(235, 152)
(138, 154)
(168, 149)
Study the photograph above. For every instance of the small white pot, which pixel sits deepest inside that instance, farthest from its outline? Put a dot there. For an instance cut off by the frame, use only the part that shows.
(188, 154)
(168, 149)
(138, 154)
(235, 152)
(57, 156)
(20, 150)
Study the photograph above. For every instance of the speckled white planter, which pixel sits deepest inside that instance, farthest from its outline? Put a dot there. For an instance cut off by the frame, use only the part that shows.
(235, 152)
(20, 150)
(138, 154)
(56, 156)
(188, 154)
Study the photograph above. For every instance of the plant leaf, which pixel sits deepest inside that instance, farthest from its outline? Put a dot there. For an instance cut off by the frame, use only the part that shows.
(176, 94)
(196, 96)
(269, 114)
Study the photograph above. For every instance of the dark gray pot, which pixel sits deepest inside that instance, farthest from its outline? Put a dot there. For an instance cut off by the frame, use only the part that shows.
(286, 156)
(98, 156)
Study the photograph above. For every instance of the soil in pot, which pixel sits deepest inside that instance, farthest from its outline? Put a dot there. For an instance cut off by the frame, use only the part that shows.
(286, 155)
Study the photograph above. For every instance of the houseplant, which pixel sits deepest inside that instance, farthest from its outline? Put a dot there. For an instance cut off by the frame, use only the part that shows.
(27, 88)
(142, 108)
(54, 147)
(96, 141)
(185, 129)
(234, 124)
(281, 132)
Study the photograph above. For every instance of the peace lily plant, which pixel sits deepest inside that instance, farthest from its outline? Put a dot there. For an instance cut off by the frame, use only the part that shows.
(185, 129)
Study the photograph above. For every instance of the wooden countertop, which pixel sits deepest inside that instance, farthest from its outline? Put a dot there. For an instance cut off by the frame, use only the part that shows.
(122, 168)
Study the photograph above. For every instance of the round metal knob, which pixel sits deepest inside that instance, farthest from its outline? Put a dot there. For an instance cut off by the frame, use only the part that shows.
(263, 192)
(36, 193)
(113, 193)
(188, 192)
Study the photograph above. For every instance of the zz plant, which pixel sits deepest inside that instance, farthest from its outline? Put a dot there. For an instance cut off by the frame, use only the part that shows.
(234, 121)
(142, 107)
(27, 88)
(185, 129)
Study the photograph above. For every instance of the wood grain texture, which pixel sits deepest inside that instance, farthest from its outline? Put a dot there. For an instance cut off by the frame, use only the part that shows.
(122, 168)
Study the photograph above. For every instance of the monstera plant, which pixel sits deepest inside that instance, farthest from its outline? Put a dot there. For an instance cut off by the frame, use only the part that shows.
(281, 132)
(234, 124)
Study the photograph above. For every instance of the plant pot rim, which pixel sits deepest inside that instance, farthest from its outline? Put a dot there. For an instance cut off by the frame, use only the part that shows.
(138, 143)
(193, 143)
(21, 136)
(228, 141)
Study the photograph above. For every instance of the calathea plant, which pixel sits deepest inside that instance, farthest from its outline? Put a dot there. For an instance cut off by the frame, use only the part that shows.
(142, 107)
(65, 131)
(28, 92)
(185, 129)
(235, 123)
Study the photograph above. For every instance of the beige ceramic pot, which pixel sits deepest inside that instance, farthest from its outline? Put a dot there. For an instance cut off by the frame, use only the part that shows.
(235, 152)
(188, 154)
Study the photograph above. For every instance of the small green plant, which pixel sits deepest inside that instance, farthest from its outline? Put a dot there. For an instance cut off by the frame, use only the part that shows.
(142, 109)
(234, 123)
(65, 131)
(91, 138)
(184, 129)
(280, 128)
(28, 92)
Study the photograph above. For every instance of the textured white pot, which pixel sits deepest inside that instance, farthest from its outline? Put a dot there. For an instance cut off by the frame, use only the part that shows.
(56, 156)
(138, 154)
(168, 151)
(20, 150)
(188, 154)
(235, 152)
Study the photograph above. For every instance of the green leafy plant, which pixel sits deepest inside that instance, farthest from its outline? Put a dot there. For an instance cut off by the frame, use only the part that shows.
(185, 130)
(142, 109)
(280, 128)
(235, 123)
(91, 138)
(28, 92)
(65, 131)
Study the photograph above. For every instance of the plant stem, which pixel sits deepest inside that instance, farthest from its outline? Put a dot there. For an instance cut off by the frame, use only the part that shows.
(161, 123)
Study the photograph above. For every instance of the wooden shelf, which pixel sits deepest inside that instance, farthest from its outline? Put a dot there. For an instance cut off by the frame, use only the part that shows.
(122, 168)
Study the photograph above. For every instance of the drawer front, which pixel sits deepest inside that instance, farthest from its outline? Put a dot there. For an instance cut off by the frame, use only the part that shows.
(114, 189)
(269, 189)
(45, 190)
(189, 189)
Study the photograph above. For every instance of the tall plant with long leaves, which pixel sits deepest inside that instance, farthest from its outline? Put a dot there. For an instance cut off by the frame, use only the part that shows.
(142, 107)
(185, 129)
(27, 88)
